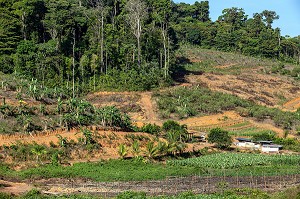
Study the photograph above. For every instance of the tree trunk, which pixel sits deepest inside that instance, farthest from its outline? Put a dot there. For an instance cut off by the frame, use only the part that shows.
(73, 63)
(102, 41)
(138, 42)
(165, 50)
(24, 26)
(94, 80)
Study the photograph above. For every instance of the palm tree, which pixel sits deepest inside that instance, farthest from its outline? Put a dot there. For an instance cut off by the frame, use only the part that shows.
(180, 147)
(38, 150)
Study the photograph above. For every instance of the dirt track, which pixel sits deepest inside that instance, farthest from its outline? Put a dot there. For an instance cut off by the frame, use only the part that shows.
(170, 186)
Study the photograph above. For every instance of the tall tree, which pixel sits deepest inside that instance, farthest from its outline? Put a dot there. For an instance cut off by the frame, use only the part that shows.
(234, 16)
(269, 17)
(136, 15)
(202, 11)
(161, 13)
(97, 15)
(30, 13)
(9, 31)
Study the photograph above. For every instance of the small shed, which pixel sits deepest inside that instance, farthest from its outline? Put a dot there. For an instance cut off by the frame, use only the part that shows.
(243, 139)
(243, 142)
(262, 142)
(270, 148)
(247, 143)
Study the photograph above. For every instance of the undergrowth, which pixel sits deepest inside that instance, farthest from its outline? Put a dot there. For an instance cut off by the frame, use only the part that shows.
(196, 101)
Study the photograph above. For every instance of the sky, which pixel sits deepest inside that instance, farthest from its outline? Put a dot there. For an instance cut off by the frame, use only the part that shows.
(288, 11)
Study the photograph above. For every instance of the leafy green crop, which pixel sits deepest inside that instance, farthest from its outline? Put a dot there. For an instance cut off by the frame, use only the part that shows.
(233, 160)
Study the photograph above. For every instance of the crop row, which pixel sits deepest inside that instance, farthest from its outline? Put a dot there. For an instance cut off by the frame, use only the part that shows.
(234, 160)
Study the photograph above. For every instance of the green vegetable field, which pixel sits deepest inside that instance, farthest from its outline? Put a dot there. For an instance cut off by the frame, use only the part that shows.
(234, 160)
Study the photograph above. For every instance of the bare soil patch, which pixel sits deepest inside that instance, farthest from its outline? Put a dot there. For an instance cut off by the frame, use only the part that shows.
(262, 89)
(292, 105)
(14, 188)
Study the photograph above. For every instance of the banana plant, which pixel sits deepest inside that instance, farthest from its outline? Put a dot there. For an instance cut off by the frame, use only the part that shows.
(136, 148)
(88, 136)
(38, 150)
(122, 151)
(151, 150)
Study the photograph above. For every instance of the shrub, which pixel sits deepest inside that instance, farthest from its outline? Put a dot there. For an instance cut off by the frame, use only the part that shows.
(266, 136)
(151, 128)
(174, 131)
(132, 195)
(220, 138)
(171, 125)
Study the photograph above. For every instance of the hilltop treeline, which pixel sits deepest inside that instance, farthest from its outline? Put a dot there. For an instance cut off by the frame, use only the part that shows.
(118, 44)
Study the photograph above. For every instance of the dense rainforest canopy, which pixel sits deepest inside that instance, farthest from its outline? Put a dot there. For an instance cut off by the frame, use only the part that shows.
(124, 44)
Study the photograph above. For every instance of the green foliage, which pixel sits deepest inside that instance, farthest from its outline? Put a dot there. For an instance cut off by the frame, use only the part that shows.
(171, 125)
(122, 151)
(151, 129)
(151, 150)
(265, 136)
(40, 39)
(88, 136)
(220, 138)
(174, 131)
(38, 150)
(136, 79)
(236, 160)
(186, 102)
(112, 170)
(136, 148)
(6, 196)
(202, 101)
(130, 194)
(112, 117)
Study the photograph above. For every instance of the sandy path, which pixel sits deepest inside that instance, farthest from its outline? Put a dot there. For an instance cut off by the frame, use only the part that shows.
(148, 108)
(292, 105)
(14, 188)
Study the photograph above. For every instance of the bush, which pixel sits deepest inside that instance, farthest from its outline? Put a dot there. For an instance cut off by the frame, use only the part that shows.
(172, 125)
(174, 131)
(5, 196)
(151, 128)
(265, 136)
(131, 194)
(134, 79)
(220, 138)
